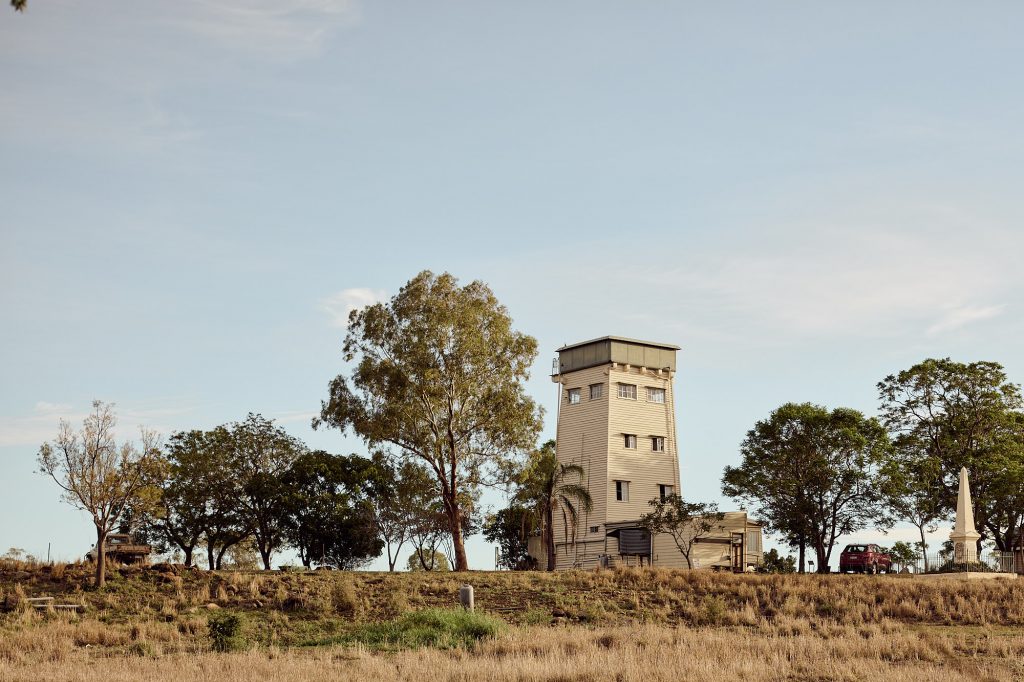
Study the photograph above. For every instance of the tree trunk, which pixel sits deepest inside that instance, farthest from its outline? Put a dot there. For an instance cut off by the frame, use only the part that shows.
(822, 556)
(392, 561)
(924, 548)
(188, 555)
(265, 555)
(101, 557)
(549, 522)
(220, 555)
(802, 544)
(211, 561)
(455, 527)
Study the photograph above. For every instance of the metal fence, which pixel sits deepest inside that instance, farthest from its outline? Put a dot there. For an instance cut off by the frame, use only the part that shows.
(987, 562)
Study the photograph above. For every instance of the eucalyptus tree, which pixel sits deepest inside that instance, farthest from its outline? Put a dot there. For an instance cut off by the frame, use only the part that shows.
(98, 475)
(438, 378)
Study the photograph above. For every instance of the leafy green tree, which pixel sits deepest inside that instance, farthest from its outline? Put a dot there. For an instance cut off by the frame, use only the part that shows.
(227, 523)
(911, 482)
(439, 377)
(407, 488)
(260, 455)
(180, 515)
(434, 561)
(96, 474)
(812, 474)
(550, 489)
(773, 562)
(903, 554)
(328, 510)
(242, 556)
(685, 522)
(509, 529)
(955, 415)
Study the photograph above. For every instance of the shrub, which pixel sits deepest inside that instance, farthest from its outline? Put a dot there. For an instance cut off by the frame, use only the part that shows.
(438, 628)
(396, 603)
(225, 631)
(714, 610)
(344, 599)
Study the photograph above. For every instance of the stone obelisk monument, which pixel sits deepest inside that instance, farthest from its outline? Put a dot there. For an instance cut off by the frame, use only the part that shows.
(964, 536)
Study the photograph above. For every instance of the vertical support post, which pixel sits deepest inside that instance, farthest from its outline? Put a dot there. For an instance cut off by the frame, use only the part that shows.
(466, 597)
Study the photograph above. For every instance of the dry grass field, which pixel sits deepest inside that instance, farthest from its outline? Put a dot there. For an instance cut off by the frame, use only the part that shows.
(628, 624)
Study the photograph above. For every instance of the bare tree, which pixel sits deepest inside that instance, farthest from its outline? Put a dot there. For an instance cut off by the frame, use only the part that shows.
(96, 474)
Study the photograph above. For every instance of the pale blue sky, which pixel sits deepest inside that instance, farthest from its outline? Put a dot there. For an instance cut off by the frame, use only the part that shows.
(805, 196)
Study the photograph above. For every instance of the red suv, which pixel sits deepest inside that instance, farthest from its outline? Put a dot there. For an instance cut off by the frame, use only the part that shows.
(864, 559)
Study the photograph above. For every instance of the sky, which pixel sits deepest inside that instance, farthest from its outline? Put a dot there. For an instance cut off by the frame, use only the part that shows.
(805, 196)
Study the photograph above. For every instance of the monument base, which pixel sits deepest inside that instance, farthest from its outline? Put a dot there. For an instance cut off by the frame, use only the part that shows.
(964, 576)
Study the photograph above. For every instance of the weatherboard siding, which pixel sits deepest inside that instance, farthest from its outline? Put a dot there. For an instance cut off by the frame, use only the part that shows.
(643, 468)
(583, 439)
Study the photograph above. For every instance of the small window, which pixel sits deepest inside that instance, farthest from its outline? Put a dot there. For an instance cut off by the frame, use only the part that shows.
(594, 529)
(665, 491)
(627, 391)
(596, 391)
(655, 395)
(622, 491)
(573, 396)
(658, 443)
(630, 441)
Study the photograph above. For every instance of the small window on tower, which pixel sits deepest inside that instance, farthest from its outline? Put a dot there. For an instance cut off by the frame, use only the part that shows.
(658, 443)
(664, 491)
(627, 391)
(622, 491)
(655, 395)
(594, 529)
(596, 391)
(630, 441)
(573, 396)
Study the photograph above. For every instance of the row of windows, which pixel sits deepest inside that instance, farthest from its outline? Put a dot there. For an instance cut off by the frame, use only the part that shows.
(622, 491)
(657, 442)
(628, 391)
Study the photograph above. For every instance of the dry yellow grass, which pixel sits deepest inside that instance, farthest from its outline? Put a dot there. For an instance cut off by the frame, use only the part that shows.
(642, 624)
(643, 653)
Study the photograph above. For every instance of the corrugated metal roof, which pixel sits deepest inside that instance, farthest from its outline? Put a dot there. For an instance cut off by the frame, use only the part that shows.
(623, 339)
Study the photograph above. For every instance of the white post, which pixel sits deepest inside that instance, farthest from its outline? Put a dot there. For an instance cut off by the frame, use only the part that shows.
(466, 597)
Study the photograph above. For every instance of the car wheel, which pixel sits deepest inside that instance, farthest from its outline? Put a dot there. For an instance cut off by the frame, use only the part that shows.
(873, 569)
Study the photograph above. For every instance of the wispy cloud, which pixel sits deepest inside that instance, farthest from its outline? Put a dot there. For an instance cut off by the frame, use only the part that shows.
(339, 305)
(886, 272)
(40, 425)
(281, 29)
(964, 315)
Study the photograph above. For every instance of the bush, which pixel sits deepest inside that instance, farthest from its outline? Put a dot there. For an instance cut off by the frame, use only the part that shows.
(439, 628)
(961, 567)
(344, 598)
(225, 631)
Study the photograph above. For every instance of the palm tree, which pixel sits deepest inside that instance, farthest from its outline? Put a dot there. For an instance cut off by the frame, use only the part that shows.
(547, 489)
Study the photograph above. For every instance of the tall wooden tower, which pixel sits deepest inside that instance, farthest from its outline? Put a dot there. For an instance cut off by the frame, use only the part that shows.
(616, 419)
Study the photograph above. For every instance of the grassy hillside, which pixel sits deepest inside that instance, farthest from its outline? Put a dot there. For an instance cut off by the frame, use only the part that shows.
(605, 622)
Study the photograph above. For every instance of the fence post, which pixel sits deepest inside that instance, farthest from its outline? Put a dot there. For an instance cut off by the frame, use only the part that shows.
(466, 597)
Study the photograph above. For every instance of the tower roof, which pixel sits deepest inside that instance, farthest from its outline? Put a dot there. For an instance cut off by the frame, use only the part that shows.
(623, 339)
(616, 349)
